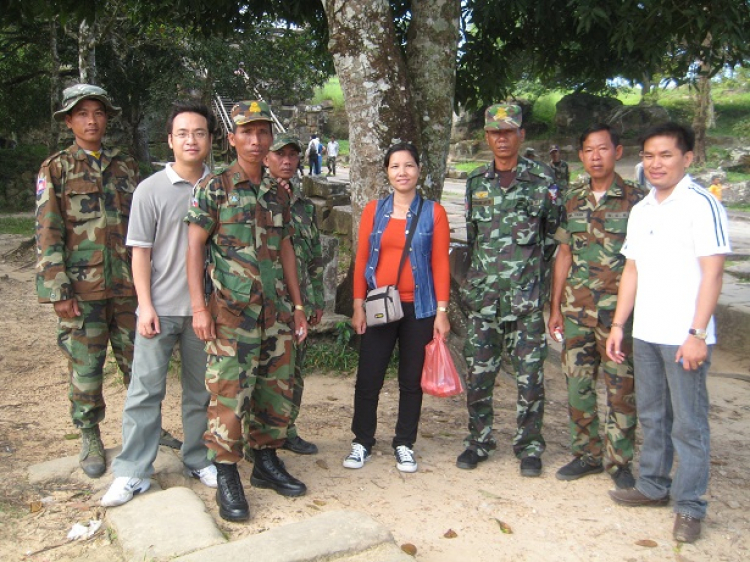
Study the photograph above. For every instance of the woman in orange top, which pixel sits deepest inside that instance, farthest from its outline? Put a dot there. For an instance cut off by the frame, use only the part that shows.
(424, 287)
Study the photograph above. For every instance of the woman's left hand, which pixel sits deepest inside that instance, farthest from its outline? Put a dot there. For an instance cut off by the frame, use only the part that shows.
(442, 325)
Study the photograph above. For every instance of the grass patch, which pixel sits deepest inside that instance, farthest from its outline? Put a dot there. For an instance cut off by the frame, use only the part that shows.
(17, 225)
(544, 107)
(338, 355)
(467, 166)
(331, 90)
(737, 177)
(739, 207)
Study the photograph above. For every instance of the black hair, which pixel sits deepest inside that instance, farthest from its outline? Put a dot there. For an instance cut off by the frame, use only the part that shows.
(191, 106)
(683, 135)
(614, 136)
(398, 147)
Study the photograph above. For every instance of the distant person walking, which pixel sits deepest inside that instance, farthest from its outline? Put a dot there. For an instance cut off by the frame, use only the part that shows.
(332, 150)
(716, 187)
(312, 155)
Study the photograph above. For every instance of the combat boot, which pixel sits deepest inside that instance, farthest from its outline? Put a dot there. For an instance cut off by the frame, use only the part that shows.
(92, 459)
(230, 494)
(269, 472)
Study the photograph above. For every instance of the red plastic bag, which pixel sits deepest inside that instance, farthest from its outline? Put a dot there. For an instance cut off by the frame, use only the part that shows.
(439, 375)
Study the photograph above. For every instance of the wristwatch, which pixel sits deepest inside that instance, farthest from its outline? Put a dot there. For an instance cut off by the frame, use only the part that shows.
(299, 307)
(698, 333)
(442, 309)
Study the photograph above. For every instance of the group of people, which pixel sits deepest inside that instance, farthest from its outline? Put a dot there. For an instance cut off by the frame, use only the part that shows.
(315, 151)
(228, 264)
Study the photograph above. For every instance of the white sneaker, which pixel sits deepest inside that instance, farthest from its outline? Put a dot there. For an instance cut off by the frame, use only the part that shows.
(123, 489)
(207, 476)
(358, 457)
(405, 459)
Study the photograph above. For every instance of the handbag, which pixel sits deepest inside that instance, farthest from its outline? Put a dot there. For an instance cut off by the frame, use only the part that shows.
(383, 304)
(439, 375)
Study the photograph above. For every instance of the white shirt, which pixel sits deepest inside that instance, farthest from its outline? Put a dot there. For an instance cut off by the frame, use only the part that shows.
(333, 148)
(665, 240)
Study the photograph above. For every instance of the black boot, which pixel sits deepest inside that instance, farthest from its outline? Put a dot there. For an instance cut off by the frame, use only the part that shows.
(229, 493)
(269, 472)
(92, 459)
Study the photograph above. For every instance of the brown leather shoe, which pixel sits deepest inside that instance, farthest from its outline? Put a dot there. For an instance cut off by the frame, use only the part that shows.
(635, 498)
(686, 528)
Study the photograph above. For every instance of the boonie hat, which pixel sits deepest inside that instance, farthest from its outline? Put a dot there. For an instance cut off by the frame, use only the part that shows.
(554, 147)
(249, 111)
(80, 92)
(502, 116)
(280, 141)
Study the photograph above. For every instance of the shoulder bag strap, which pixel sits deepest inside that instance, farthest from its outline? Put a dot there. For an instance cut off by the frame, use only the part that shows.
(412, 230)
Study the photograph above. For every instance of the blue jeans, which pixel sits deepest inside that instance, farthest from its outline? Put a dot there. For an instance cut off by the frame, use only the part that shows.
(141, 418)
(672, 407)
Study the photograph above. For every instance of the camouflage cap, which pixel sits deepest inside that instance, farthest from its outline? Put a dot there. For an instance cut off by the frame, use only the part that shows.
(251, 110)
(553, 148)
(280, 141)
(80, 92)
(502, 116)
(529, 152)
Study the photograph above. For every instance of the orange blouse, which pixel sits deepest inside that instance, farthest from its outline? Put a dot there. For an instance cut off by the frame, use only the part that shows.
(391, 249)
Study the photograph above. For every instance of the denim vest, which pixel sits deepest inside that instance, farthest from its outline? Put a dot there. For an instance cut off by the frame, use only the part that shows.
(420, 254)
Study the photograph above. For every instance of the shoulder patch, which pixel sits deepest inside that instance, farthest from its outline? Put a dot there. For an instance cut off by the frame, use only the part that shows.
(41, 183)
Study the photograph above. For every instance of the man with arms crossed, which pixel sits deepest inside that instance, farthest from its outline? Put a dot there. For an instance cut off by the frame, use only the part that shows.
(248, 322)
(586, 276)
(675, 248)
(158, 236)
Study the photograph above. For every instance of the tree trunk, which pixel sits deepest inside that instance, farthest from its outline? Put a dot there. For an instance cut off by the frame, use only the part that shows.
(432, 54)
(389, 100)
(53, 138)
(702, 111)
(87, 52)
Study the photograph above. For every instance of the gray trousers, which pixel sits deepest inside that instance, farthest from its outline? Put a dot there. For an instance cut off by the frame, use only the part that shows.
(141, 418)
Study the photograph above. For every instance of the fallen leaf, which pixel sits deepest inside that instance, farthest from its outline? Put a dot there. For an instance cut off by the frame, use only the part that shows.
(332, 398)
(35, 506)
(409, 549)
(311, 506)
(71, 436)
(319, 502)
(427, 435)
(322, 464)
(80, 506)
(450, 534)
(646, 542)
(504, 527)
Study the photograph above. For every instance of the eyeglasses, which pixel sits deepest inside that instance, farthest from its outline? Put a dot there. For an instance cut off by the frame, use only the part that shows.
(197, 135)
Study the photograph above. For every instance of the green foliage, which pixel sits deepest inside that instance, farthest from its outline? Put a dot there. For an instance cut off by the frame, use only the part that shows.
(331, 90)
(17, 225)
(18, 169)
(545, 107)
(333, 354)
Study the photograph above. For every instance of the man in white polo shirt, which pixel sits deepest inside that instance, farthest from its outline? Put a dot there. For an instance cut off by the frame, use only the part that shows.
(676, 242)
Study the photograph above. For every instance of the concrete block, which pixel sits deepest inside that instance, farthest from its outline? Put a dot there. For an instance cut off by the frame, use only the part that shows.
(325, 537)
(163, 525)
(339, 220)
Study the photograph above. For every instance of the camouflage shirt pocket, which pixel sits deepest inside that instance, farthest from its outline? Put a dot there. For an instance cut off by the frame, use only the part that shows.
(86, 271)
(84, 200)
(124, 189)
(236, 228)
(578, 227)
(616, 223)
(525, 299)
(527, 226)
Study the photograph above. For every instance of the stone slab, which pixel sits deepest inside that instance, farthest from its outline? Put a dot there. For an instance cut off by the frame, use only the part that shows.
(381, 553)
(328, 536)
(163, 525)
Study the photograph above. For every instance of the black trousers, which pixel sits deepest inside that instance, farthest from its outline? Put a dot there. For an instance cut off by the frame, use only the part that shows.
(375, 352)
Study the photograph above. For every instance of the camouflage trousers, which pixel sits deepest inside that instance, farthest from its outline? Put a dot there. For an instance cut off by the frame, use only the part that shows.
(84, 340)
(584, 352)
(249, 375)
(299, 387)
(524, 342)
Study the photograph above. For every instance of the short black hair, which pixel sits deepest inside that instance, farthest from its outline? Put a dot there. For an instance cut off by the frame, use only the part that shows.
(398, 147)
(614, 136)
(192, 106)
(682, 134)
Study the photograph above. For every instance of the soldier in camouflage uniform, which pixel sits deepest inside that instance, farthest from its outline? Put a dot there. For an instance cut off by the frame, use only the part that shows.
(560, 168)
(282, 161)
(84, 195)
(511, 215)
(587, 274)
(248, 322)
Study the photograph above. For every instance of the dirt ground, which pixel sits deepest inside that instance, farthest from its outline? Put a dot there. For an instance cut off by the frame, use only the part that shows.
(446, 513)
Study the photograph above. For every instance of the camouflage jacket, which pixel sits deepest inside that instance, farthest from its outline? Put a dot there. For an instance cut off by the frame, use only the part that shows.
(595, 232)
(82, 209)
(246, 224)
(562, 174)
(510, 238)
(306, 241)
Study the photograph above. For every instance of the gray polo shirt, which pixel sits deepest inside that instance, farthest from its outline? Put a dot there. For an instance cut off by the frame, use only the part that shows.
(160, 204)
